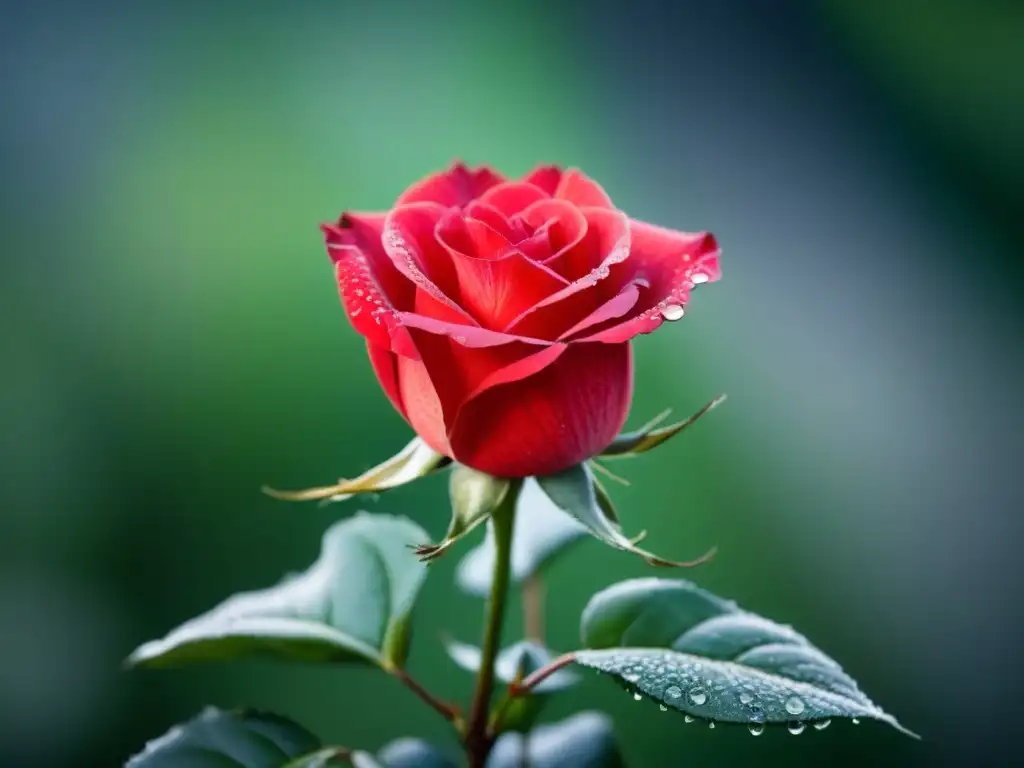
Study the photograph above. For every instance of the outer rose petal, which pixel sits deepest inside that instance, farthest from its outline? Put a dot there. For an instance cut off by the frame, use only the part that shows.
(372, 290)
(409, 239)
(576, 187)
(671, 263)
(560, 416)
(452, 188)
(385, 365)
(546, 177)
(454, 374)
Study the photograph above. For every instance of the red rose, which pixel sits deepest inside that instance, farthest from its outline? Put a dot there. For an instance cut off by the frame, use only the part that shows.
(498, 313)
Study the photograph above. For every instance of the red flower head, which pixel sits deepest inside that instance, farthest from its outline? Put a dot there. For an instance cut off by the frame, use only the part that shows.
(498, 313)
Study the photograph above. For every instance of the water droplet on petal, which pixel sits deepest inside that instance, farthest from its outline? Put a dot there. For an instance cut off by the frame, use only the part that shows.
(821, 725)
(746, 698)
(794, 705)
(673, 312)
(756, 729)
(699, 278)
(796, 728)
(673, 692)
(697, 696)
(688, 718)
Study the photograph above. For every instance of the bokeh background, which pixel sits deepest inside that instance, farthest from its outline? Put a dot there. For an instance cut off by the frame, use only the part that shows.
(172, 339)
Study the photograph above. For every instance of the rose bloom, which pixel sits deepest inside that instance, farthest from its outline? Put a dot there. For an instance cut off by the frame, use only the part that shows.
(498, 314)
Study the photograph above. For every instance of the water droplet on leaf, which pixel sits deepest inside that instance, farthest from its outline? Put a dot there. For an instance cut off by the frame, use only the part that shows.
(794, 705)
(855, 721)
(688, 718)
(746, 698)
(711, 724)
(796, 728)
(663, 708)
(673, 692)
(821, 725)
(637, 697)
(756, 729)
(697, 696)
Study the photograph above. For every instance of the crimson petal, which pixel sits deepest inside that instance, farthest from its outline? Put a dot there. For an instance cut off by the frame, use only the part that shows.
(672, 263)
(513, 196)
(455, 187)
(546, 177)
(561, 415)
(372, 290)
(576, 187)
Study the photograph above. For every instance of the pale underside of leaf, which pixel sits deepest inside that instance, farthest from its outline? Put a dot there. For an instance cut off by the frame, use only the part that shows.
(414, 461)
(352, 604)
(651, 436)
(513, 664)
(585, 740)
(576, 492)
(247, 739)
(692, 651)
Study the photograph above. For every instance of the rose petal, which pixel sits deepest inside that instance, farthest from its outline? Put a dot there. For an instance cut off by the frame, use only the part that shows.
(546, 177)
(471, 336)
(612, 309)
(372, 290)
(493, 218)
(457, 372)
(423, 404)
(385, 366)
(512, 196)
(562, 415)
(565, 224)
(452, 188)
(576, 187)
(409, 239)
(605, 244)
(672, 263)
(496, 281)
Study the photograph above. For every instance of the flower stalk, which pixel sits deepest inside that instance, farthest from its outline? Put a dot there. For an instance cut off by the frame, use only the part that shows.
(478, 741)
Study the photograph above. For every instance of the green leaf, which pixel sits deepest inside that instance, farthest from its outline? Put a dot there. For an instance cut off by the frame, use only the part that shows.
(514, 663)
(651, 436)
(474, 496)
(586, 740)
(541, 531)
(697, 653)
(413, 753)
(335, 756)
(242, 739)
(352, 604)
(414, 461)
(575, 492)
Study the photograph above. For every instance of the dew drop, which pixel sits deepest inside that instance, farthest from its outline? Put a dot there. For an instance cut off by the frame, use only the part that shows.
(663, 708)
(711, 723)
(699, 278)
(697, 696)
(637, 697)
(688, 718)
(673, 312)
(821, 725)
(746, 698)
(673, 692)
(855, 721)
(796, 728)
(756, 729)
(794, 705)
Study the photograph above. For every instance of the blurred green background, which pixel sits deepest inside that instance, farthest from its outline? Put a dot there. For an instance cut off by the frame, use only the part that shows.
(173, 340)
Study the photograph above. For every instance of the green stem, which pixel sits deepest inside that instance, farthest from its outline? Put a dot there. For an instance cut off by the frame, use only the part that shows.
(478, 741)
